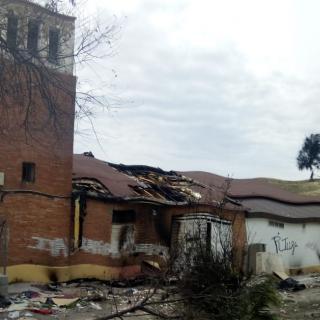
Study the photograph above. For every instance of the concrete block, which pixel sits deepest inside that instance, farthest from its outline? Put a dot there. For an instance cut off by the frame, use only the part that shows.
(252, 256)
(267, 262)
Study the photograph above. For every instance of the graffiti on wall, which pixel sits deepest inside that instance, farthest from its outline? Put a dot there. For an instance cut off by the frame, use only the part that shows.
(283, 244)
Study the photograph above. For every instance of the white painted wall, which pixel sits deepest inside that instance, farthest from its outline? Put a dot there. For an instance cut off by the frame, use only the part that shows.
(297, 243)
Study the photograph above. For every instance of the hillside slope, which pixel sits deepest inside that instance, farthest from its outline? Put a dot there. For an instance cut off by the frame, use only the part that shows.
(304, 187)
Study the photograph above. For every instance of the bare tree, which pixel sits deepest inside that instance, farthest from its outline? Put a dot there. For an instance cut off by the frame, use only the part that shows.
(34, 68)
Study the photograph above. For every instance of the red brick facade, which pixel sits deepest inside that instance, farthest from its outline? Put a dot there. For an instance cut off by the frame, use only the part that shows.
(152, 231)
(39, 209)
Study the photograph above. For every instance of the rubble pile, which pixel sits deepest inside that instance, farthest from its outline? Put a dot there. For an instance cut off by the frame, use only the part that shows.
(89, 299)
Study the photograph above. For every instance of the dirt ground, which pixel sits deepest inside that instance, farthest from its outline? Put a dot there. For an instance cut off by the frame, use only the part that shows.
(304, 304)
(97, 299)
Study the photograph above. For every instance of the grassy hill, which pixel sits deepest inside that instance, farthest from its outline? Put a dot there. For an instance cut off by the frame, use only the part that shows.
(304, 187)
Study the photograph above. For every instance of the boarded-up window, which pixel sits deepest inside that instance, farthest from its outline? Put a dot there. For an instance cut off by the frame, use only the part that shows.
(53, 45)
(33, 37)
(12, 32)
(191, 230)
(28, 172)
(123, 216)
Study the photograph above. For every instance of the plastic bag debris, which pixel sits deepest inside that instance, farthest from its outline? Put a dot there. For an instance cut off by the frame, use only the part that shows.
(4, 302)
(291, 285)
(14, 315)
(42, 311)
(95, 306)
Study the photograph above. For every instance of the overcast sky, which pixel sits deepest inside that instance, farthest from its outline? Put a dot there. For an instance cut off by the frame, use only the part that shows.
(230, 87)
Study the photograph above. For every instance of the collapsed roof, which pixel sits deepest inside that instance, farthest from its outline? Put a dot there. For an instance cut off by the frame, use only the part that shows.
(140, 183)
(118, 182)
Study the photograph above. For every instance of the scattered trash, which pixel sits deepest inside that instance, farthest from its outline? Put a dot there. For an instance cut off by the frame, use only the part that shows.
(95, 295)
(14, 315)
(130, 292)
(80, 306)
(47, 287)
(42, 311)
(18, 306)
(291, 285)
(95, 306)
(64, 302)
(29, 294)
(153, 264)
(52, 287)
(4, 302)
(49, 301)
(281, 275)
(28, 314)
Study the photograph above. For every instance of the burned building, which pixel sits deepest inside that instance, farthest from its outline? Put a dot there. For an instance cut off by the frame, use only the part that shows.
(65, 216)
(36, 129)
(73, 216)
(142, 211)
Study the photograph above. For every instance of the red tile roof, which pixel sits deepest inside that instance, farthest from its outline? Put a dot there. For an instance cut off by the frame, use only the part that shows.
(248, 188)
(116, 182)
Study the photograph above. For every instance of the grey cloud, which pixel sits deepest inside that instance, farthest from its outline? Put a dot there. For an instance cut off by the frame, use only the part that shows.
(200, 110)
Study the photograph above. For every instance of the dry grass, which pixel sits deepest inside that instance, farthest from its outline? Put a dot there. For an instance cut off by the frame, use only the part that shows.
(304, 187)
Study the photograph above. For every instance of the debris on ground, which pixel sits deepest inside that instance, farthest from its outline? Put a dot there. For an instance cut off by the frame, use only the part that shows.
(42, 311)
(300, 304)
(75, 300)
(52, 299)
(280, 274)
(14, 315)
(291, 284)
(4, 302)
(84, 299)
(288, 283)
(95, 306)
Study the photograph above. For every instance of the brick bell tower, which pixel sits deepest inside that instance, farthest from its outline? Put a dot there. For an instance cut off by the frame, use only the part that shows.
(37, 110)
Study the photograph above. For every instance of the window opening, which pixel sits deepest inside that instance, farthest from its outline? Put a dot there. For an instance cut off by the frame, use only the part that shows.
(33, 37)
(53, 46)
(12, 32)
(80, 207)
(123, 216)
(28, 172)
(276, 224)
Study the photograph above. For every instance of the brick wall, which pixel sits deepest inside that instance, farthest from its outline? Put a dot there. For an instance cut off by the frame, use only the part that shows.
(48, 143)
(152, 231)
(33, 221)
(98, 245)
(37, 222)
